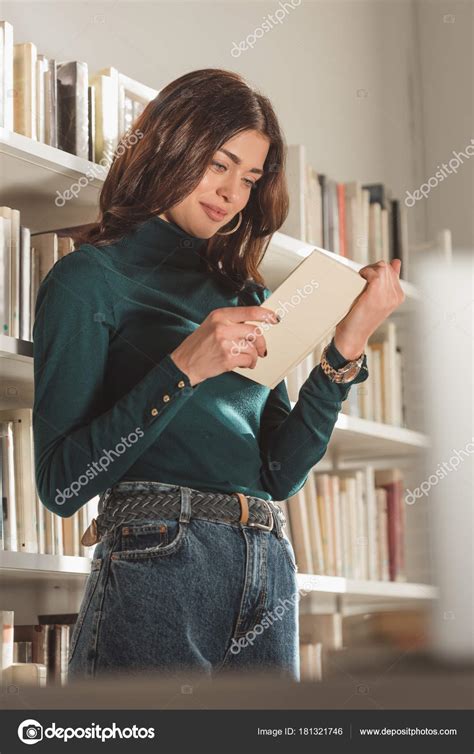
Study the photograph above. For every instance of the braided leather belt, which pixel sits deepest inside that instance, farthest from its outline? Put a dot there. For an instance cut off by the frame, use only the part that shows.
(124, 504)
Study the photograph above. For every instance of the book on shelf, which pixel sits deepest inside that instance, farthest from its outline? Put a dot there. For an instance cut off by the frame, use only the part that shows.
(38, 653)
(6, 643)
(362, 222)
(350, 524)
(308, 309)
(60, 103)
(311, 667)
(381, 397)
(318, 634)
(26, 524)
(25, 260)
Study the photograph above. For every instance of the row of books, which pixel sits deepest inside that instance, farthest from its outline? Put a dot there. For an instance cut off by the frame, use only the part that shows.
(381, 397)
(347, 524)
(61, 104)
(362, 222)
(25, 259)
(26, 525)
(35, 654)
(351, 524)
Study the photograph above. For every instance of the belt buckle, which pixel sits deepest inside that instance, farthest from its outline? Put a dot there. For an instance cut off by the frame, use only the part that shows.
(264, 527)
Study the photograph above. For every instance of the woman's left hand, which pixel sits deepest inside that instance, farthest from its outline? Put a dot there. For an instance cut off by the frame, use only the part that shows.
(377, 301)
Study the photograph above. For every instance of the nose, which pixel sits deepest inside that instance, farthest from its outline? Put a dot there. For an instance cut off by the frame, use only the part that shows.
(229, 188)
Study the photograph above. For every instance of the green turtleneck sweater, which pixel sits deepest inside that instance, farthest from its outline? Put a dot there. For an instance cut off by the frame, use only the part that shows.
(111, 405)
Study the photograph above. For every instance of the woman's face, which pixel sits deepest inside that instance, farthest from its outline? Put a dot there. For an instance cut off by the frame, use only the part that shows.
(232, 175)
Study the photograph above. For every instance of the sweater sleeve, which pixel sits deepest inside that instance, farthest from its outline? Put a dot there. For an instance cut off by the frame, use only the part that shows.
(292, 441)
(80, 451)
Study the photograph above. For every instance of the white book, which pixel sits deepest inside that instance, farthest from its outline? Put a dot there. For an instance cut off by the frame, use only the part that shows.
(382, 534)
(24, 76)
(345, 520)
(364, 235)
(25, 488)
(5, 254)
(372, 545)
(58, 535)
(13, 215)
(25, 282)
(46, 251)
(337, 526)
(41, 67)
(49, 531)
(348, 485)
(385, 254)
(295, 222)
(377, 383)
(314, 525)
(6, 644)
(361, 507)
(385, 340)
(8, 467)
(28, 674)
(309, 310)
(6, 77)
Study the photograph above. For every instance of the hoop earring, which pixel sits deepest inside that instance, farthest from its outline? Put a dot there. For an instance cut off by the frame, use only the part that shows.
(228, 232)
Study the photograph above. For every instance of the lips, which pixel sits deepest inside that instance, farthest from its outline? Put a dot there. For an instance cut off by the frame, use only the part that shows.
(215, 213)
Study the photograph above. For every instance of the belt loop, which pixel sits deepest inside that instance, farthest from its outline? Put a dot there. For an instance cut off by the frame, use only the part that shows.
(185, 513)
(244, 507)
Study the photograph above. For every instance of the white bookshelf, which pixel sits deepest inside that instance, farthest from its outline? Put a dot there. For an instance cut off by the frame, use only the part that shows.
(31, 174)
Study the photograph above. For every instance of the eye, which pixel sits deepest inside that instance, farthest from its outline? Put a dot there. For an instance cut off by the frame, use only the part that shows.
(251, 184)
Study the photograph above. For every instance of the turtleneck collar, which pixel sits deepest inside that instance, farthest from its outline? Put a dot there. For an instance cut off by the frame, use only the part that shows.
(157, 241)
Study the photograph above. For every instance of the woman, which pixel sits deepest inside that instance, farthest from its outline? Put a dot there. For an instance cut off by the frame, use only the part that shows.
(136, 333)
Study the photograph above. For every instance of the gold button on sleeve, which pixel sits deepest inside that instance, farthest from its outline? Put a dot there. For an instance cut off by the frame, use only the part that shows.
(181, 383)
(154, 411)
(166, 398)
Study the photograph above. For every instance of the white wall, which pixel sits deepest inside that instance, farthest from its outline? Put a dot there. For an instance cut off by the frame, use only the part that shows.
(341, 75)
(445, 32)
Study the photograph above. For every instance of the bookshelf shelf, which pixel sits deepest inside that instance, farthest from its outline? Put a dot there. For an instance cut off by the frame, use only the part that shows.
(33, 173)
(16, 372)
(31, 567)
(357, 439)
(357, 588)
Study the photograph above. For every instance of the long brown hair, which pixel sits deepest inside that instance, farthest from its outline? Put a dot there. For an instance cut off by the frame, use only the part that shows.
(181, 129)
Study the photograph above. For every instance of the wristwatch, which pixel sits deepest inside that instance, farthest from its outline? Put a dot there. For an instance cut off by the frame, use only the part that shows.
(345, 373)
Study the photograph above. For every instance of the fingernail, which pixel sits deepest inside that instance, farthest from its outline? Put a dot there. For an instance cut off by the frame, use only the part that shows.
(278, 318)
(266, 351)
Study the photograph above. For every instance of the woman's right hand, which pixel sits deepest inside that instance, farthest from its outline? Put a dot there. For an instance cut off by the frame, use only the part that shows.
(223, 341)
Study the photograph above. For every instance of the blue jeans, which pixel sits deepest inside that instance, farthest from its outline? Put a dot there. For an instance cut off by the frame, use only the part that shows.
(188, 594)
